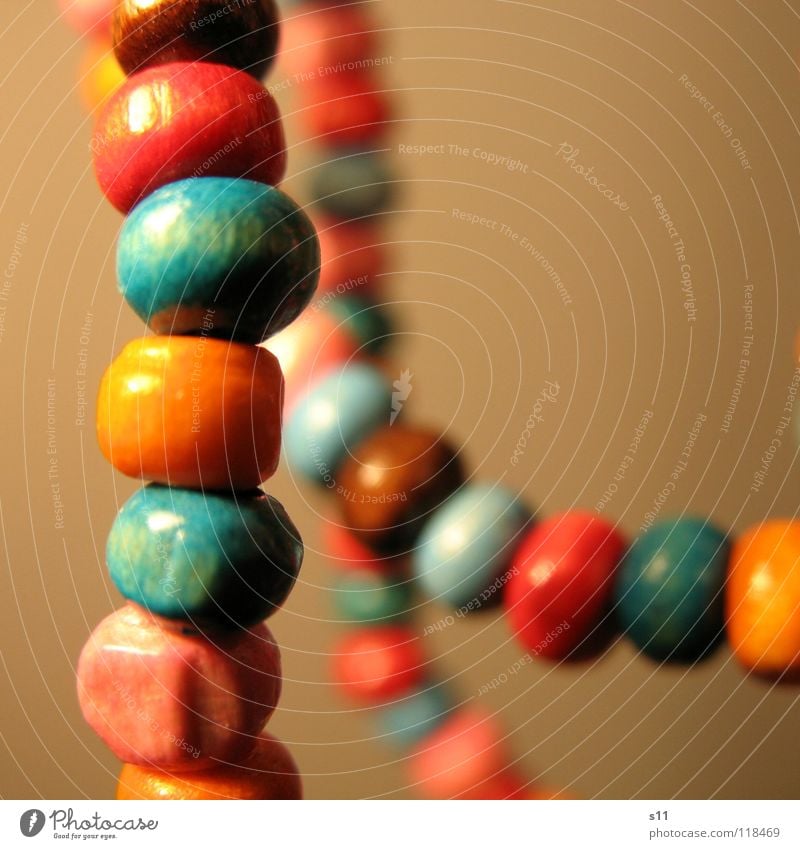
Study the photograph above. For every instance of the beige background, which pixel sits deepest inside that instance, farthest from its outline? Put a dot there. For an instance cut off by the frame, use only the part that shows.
(481, 327)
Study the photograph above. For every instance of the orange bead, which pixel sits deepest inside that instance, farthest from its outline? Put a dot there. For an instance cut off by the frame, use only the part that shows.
(763, 599)
(100, 75)
(192, 411)
(268, 772)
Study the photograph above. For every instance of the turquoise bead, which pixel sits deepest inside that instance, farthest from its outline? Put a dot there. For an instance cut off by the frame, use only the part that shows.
(333, 418)
(669, 589)
(372, 597)
(367, 322)
(465, 548)
(408, 721)
(352, 184)
(223, 257)
(212, 558)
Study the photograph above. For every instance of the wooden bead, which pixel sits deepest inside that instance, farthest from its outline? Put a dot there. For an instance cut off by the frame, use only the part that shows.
(344, 109)
(186, 120)
(562, 583)
(89, 17)
(347, 553)
(368, 322)
(267, 772)
(762, 600)
(241, 249)
(214, 559)
(410, 719)
(240, 33)
(353, 256)
(391, 482)
(375, 665)
(193, 412)
(351, 184)
(464, 758)
(372, 598)
(100, 75)
(166, 699)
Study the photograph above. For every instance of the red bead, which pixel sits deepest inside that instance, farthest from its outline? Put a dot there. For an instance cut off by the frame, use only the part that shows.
(344, 109)
(186, 120)
(374, 665)
(347, 552)
(352, 256)
(561, 583)
(89, 17)
(464, 758)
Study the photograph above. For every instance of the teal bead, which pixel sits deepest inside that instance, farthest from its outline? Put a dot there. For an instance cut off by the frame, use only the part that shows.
(372, 597)
(333, 418)
(409, 720)
(669, 589)
(367, 322)
(352, 184)
(228, 258)
(464, 550)
(211, 558)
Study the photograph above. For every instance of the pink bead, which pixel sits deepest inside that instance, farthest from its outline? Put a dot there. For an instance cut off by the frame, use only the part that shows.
(159, 697)
(464, 758)
(352, 256)
(89, 17)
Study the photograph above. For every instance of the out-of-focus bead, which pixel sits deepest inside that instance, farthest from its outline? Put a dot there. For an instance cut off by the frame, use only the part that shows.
(762, 599)
(347, 553)
(333, 418)
(267, 772)
(374, 665)
(353, 256)
(243, 33)
(464, 758)
(372, 598)
(562, 583)
(351, 184)
(89, 17)
(344, 109)
(192, 411)
(410, 719)
(464, 550)
(165, 699)
(669, 589)
(392, 481)
(210, 558)
(365, 320)
(233, 258)
(186, 120)
(100, 75)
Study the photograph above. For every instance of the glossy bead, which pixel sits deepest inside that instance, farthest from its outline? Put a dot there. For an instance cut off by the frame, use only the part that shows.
(310, 349)
(344, 109)
(191, 411)
(89, 17)
(465, 548)
(372, 598)
(210, 558)
(267, 772)
(333, 418)
(241, 33)
(347, 553)
(100, 75)
(237, 247)
(668, 589)
(407, 721)
(365, 320)
(562, 583)
(163, 698)
(464, 758)
(392, 481)
(353, 256)
(352, 184)
(375, 665)
(762, 601)
(186, 120)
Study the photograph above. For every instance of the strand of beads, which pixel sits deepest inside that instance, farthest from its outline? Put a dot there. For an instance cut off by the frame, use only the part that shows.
(568, 583)
(180, 682)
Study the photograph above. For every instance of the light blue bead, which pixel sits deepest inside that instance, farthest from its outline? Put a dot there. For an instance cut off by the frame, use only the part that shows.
(464, 549)
(333, 418)
(408, 721)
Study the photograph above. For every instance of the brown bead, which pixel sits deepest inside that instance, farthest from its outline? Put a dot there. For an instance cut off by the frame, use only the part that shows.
(391, 483)
(240, 33)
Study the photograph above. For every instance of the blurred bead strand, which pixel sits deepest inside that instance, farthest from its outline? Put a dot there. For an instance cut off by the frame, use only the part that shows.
(180, 682)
